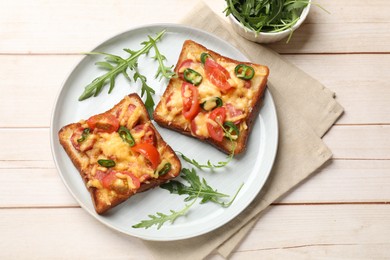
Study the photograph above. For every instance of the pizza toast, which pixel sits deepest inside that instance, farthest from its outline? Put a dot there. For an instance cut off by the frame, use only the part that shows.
(213, 97)
(119, 153)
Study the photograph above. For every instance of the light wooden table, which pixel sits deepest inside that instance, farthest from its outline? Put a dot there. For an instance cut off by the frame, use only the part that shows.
(341, 212)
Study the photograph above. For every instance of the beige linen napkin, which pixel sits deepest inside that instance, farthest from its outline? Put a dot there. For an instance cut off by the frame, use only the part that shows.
(305, 109)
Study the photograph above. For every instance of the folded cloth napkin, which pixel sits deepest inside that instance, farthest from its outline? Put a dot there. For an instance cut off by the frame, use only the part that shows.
(305, 109)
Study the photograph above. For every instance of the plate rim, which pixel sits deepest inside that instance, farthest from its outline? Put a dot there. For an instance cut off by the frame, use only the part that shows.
(53, 136)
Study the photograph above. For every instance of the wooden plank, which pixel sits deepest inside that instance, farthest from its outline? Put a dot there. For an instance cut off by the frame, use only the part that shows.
(345, 181)
(26, 25)
(359, 142)
(21, 144)
(346, 142)
(353, 231)
(348, 231)
(34, 85)
(63, 234)
(33, 188)
(349, 181)
(336, 38)
(361, 83)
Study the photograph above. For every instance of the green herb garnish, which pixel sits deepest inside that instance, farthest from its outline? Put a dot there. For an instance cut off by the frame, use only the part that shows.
(209, 164)
(197, 188)
(163, 71)
(231, 129)
(117, 65)
(267, 15)
(160, 218)
(149, 102)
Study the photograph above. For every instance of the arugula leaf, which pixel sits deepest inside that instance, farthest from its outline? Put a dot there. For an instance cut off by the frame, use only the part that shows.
(115, 66)
(163, 71)
(197, 188)
(267, 15)
(209, 164)
(149, 102)
(160, 218)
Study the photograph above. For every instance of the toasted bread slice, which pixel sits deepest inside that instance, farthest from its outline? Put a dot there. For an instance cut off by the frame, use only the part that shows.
(119, 153)
(208, 93)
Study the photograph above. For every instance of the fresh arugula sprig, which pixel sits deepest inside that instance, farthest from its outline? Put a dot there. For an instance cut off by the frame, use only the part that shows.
(267, 15)
(197, 188)
(209, 164)
(160, 219)
(163, 71)
(145, 88)
(117, 65)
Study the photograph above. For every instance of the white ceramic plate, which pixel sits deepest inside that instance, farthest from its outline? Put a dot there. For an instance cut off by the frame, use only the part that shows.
(252, 168)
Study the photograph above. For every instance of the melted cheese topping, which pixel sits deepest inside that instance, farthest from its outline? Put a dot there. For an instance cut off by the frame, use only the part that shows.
(111, 146)
(240, 97)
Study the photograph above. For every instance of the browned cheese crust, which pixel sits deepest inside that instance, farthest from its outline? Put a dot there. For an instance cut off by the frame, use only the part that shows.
(243, 99)
(132, 114)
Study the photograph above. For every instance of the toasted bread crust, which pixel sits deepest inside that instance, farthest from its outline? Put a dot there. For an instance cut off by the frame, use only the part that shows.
(193, 49)
(80, 159)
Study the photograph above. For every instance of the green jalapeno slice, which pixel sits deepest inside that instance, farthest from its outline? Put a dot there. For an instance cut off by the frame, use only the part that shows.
(204, 56)
(106, 163)
(192, 76)
(126, 136)
(84, 135)
(244, 71)
(211, 103)
(165, 169)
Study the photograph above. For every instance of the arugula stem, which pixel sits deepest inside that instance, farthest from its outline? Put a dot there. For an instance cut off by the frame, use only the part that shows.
(98, 83)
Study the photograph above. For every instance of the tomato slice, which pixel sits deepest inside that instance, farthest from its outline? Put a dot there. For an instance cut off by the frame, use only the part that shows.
(190, 97)
(149, 134)
(103, 123)
(215, 130)
(109, 181)
(149, 152)
(217, 75)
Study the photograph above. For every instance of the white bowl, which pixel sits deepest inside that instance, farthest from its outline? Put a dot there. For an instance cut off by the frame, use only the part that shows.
(266, 37)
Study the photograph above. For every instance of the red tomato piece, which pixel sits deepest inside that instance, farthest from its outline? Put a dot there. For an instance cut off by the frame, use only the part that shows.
(215, 130)
(234, 112)
(103, 123)
(190, 97)
(217, 75)
(149, 152)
